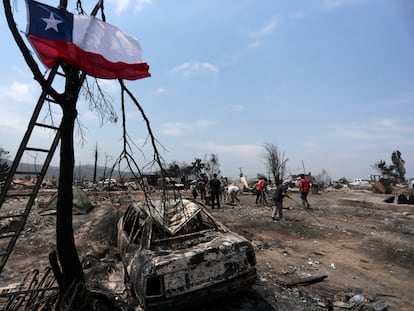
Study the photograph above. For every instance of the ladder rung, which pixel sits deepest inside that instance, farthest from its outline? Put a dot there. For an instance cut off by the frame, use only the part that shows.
(12, 216)
(37, 149)
(8, 235)
(47, 126)
(49, 99)
(60, 74)
(15, 194)
(26, 173)
(2, 254)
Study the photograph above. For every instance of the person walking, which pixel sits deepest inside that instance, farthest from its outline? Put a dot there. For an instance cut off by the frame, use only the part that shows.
(193, 189)
(260, 189)
(223, 187)
(215, 185)
(202, 184)
(304, 190)
(278, 196)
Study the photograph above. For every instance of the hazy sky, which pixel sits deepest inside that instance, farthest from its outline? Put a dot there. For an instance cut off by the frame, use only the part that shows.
(329, 82)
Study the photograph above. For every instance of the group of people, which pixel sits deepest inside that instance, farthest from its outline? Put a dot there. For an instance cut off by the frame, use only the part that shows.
(281, 193)
(216, 191)
(217, 188)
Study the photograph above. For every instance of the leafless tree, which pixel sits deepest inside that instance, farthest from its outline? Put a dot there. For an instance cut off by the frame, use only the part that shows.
(65, 260)
(322, 178)
(34, 157)
(399, 165)
(396, 169)
(275, 162)
(212, 165)
(107, 158)
(197, 167)
(96, 162)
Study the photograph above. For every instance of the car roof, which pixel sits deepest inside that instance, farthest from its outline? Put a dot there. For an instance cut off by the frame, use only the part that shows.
(171, 214)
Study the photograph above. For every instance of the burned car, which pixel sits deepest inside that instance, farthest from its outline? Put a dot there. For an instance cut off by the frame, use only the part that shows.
(175, 254)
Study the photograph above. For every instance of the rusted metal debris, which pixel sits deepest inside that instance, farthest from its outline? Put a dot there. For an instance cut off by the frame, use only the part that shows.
(307, 281)
(35, 292)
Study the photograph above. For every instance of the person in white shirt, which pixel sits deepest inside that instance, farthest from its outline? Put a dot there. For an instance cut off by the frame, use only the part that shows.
(232, 194)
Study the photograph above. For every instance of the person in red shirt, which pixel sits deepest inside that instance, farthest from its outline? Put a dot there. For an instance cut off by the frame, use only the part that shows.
(260, 191)
(304, 190)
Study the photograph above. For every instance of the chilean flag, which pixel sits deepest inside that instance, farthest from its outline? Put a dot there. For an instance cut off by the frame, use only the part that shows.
(99, 49)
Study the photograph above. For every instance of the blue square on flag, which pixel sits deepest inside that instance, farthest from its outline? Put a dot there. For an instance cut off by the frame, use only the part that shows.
(48, 22)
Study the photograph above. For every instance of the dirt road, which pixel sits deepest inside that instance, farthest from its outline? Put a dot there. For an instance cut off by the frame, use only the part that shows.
(351, 239)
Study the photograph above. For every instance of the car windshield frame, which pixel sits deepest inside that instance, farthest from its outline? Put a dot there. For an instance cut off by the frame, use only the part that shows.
(172, 215)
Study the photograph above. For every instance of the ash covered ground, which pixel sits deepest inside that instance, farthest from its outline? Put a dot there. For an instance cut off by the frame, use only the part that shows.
(352, 239)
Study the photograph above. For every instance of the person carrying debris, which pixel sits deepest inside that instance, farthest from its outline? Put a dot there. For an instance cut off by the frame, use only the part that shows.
(215, 184)
(278, 196)
(304, 190)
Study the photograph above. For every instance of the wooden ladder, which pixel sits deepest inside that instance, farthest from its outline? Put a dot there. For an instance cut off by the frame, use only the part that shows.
(12, 222)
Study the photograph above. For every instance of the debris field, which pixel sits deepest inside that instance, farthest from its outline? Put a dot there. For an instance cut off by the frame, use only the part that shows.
(349, 242)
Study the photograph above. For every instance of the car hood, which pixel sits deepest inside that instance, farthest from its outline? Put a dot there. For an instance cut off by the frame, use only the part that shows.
(209, 246)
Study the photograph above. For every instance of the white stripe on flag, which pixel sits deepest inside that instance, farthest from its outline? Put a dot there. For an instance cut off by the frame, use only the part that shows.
(93, 35)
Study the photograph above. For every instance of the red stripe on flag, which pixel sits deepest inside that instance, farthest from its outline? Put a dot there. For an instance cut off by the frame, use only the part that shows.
(93, 64)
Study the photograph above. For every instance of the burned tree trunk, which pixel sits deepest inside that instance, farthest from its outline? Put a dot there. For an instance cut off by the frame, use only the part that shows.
(71, 273)
(96, 163)
(65, 242)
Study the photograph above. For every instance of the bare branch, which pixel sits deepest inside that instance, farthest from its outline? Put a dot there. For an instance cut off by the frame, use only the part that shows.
(154, 142)
(100, 101)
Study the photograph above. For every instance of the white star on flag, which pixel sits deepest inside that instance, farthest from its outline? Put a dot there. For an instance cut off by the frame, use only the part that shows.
(51, 22)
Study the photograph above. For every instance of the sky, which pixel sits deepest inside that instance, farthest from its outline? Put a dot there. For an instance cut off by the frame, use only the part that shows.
(329, 82)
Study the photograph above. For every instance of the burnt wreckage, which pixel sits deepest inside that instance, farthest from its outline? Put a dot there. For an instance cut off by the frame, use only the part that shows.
(176, 254)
